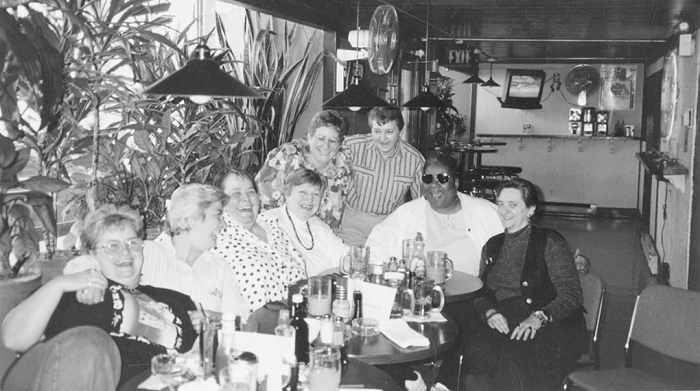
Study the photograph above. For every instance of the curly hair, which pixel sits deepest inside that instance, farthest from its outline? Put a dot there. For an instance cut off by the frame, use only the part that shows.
(108, 217)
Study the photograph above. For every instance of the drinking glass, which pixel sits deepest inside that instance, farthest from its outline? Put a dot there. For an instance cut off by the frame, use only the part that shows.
(325, 369)
(319, 295)
(355, 261)
(168, 367)
(439, 268)
(236, 378)
(422, 294)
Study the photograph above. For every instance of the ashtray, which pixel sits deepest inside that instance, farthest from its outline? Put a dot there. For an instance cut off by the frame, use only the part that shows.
(365, 327)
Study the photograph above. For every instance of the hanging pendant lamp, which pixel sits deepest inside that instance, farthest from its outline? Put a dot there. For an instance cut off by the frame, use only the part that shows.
(473, 79)
(200, 80)
(490, 82)
(355, 96)
(425, 100)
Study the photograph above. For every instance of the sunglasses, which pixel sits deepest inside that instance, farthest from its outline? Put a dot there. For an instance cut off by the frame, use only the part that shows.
(441, 178)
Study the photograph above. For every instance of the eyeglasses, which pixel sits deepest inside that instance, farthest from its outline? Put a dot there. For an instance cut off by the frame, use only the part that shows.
(441, 178)
(114, 247)
(333, 142)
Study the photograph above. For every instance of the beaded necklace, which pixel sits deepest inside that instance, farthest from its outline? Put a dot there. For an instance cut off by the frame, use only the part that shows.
(297, 234)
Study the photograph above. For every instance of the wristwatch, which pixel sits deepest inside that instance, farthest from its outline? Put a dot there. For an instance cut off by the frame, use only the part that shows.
(543, 316)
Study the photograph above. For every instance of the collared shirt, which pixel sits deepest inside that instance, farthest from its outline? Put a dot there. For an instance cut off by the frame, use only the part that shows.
(318, 245)
(264, 270)
(379, 184)
(209, 281)
(296, 154)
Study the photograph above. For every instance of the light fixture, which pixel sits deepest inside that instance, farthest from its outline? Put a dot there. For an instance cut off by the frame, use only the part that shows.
(425, 100)
(490, 82)
(355, 96)
(200, 80)
(475, 79)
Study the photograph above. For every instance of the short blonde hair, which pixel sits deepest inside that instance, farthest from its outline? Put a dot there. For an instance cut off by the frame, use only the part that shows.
(107, 217)
(188, 205)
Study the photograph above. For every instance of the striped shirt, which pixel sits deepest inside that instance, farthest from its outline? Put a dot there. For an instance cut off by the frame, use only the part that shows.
(209, 281)
(380, 184)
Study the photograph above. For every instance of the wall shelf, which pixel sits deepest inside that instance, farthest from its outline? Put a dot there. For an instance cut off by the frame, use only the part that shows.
(658, 165)
(559, 136)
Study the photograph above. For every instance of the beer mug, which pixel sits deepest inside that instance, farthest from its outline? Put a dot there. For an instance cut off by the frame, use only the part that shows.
(395, 280)
(422, 297)
(355, 261)
(319, 295)
(438, 267)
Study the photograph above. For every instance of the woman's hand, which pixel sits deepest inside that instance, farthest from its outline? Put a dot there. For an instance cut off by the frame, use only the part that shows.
(497, 321)
(84, 281)
(95, 291)
(526, 329)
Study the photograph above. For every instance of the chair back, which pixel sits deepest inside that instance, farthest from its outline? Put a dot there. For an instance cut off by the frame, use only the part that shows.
(667, 320)
(592, 287)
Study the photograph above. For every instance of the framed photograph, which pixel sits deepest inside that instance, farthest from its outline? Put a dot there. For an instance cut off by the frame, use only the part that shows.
(617, 87)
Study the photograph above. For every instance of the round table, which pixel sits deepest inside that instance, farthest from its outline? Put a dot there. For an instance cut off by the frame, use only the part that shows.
(461, 287)
(356, 375)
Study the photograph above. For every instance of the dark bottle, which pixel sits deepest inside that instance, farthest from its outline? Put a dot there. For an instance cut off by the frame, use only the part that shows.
(357, 302)
(301, 343)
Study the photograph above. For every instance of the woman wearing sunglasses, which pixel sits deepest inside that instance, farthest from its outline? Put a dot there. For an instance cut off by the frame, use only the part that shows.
(94, 347)
(452, 222)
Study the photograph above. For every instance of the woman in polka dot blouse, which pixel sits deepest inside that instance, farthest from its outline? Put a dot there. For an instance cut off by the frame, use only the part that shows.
(259, 252)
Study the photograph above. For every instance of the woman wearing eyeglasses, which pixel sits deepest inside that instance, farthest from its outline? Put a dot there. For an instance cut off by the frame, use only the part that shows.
(78, 353)
(182, 257)
(322, 151)
(452, 222)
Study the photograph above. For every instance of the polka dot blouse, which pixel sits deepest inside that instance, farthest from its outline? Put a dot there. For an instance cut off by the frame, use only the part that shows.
(264, 270)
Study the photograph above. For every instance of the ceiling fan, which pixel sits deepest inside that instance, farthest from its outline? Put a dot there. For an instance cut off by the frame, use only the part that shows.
(383, 39)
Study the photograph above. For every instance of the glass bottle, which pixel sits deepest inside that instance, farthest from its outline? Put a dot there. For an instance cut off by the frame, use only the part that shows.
(326, 332)
(418, 258)
(377, 276)
(339, 340)
(286, 339)
(341, 306)
(301, 343)
(357, 302)
(393, 265)
(227, 343)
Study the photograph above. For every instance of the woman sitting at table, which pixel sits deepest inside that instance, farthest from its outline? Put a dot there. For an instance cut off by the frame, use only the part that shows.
(314, 239)
(533, 329)
(321, 151)
(181, 258)
(261, 255)
(141, 320)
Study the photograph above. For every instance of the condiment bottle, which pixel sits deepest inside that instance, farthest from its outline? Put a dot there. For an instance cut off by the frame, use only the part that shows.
(301, 343)
(227, 343)
(341, 306)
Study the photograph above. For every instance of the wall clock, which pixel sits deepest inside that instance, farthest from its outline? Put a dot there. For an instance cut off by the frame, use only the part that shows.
(669, 96)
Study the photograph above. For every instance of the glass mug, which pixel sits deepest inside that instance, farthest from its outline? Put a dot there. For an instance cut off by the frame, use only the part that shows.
(395, 280)
(325, 369)
(237, 378)
(355, 261)
(439, 268)
(421, 293)
(319, 295)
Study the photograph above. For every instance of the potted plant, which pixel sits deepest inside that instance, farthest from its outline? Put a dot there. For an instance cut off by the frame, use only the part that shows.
(450, 124)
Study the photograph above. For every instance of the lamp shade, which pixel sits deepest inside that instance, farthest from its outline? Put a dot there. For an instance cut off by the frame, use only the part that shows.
(490, 83)
(424, 99)
(474, 79)
(354, 97)
(201, 76)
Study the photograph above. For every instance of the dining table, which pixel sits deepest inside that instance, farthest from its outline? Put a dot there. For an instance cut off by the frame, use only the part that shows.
(356, 374)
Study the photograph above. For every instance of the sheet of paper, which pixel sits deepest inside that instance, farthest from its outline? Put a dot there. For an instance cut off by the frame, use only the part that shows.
(377, 301)
(269, 353)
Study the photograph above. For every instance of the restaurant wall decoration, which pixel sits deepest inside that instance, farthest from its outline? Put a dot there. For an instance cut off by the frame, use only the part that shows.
(618, 86)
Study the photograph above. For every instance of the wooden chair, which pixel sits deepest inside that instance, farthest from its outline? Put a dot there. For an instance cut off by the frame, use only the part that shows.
(662, 350)
(593, 300)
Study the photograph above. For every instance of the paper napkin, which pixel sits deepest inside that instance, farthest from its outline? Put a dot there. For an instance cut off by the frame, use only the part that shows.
(398, 331)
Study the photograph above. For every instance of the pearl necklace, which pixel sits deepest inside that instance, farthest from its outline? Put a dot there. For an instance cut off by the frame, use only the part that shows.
(297, 234)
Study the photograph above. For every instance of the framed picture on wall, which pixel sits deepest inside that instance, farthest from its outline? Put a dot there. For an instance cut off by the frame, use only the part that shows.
(617, 88)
